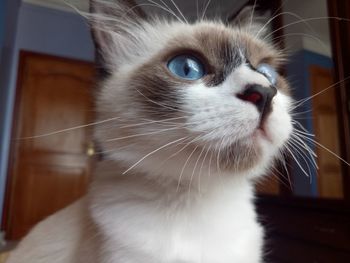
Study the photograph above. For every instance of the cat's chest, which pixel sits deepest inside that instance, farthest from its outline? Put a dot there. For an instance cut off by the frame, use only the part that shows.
(217, 229)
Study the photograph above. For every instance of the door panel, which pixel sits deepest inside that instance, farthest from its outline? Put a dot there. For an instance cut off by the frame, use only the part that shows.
(48, 169)
(326, 129)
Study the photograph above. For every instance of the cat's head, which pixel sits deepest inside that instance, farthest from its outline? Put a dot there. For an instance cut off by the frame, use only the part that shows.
(188, 98)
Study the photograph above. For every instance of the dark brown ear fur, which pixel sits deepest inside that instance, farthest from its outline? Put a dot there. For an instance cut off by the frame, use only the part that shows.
(103, 19)
(243, 17)
(246, 19)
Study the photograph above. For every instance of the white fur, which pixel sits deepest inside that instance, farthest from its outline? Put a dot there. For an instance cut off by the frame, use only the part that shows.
(157, 223)
(163, 197)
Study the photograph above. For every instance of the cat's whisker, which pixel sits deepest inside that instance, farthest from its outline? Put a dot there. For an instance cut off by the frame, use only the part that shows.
(276, 178)
(296, 159)
(308, 153)
(301, 102)
(154, 122)
(300, 150)
(69, 129)
(276, 16)
(298, 139)
(283, 161)
(159, 104)
(168, 122)
(325, 148)
(200, 169)
(297, 113)
(154, 4)
(194, 169)
(76, 9)
(205, 9)
(305, 158)
(307, 20)
(281, 175)
(304, 118)
(299, 18)
(165, 6)
(85, 126)
(142, 134)
(107, 27)
(167, 9)
(280, 8)
(113, 150)
(179, 151)
(152, 152)
(178, 9)
(183, 168)
(113, 7)
(209, 165)
(300, 132)
(305, 131)
(219, 153)
(295, 136)
(322, 43)
(252, 14)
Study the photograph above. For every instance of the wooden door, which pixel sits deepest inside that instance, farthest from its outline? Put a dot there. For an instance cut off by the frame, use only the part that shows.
(326, 129)
(48, 172)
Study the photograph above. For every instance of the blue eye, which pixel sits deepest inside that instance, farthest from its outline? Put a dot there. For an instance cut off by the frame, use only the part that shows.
(269, 72)
(186, 67)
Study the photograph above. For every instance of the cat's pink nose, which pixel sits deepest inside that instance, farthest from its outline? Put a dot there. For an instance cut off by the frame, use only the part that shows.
(259, 96)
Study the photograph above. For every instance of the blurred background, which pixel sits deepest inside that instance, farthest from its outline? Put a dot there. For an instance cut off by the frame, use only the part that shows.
(47, 76)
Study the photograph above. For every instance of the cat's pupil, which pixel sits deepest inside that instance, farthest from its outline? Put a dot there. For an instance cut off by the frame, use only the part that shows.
(187, 68)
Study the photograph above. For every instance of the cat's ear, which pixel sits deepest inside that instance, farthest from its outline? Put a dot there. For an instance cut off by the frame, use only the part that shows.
(247, 19)
(113, 24)
(243, 17)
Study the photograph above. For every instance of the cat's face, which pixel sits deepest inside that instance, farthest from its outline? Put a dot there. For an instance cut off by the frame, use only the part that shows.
(199, 96)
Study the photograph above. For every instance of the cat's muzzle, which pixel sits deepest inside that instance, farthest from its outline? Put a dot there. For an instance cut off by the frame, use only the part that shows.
(260, 96)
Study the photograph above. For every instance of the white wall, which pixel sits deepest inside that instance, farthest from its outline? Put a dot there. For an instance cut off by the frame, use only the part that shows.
(312, 35)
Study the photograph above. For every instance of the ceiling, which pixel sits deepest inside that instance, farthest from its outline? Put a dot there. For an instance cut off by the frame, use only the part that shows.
(222, 8)
(61, 4)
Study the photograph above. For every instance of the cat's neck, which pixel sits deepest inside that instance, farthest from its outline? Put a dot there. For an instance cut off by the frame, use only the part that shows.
(139, 211)
(110, 173)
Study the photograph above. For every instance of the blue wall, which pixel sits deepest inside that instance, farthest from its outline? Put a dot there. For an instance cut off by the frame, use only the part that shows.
(298, 75)
(41, 30)
(2, 23)
(54, 32)
(10, 12)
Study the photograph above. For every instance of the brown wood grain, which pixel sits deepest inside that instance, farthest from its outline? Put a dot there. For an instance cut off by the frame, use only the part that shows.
(340, 36)
(48, 172)
(326, 130)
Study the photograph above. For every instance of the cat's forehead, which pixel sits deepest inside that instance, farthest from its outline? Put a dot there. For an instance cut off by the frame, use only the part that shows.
(222, 44)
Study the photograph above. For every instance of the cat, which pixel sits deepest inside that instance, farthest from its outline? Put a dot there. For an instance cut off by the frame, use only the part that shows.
(190, 115)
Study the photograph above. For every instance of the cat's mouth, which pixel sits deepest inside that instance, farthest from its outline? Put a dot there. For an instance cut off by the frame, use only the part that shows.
(261, 132)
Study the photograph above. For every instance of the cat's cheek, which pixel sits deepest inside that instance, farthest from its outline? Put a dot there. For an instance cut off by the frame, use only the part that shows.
(279, 124)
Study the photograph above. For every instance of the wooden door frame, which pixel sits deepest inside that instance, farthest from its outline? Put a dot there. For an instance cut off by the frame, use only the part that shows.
(341, 56)
(10, 180)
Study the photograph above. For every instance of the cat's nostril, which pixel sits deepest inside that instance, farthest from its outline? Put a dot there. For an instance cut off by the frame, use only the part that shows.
(259, 96)
(253, 97)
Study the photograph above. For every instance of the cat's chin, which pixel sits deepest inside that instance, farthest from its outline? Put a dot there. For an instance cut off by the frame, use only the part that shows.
(260, 135)
(256, 150)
